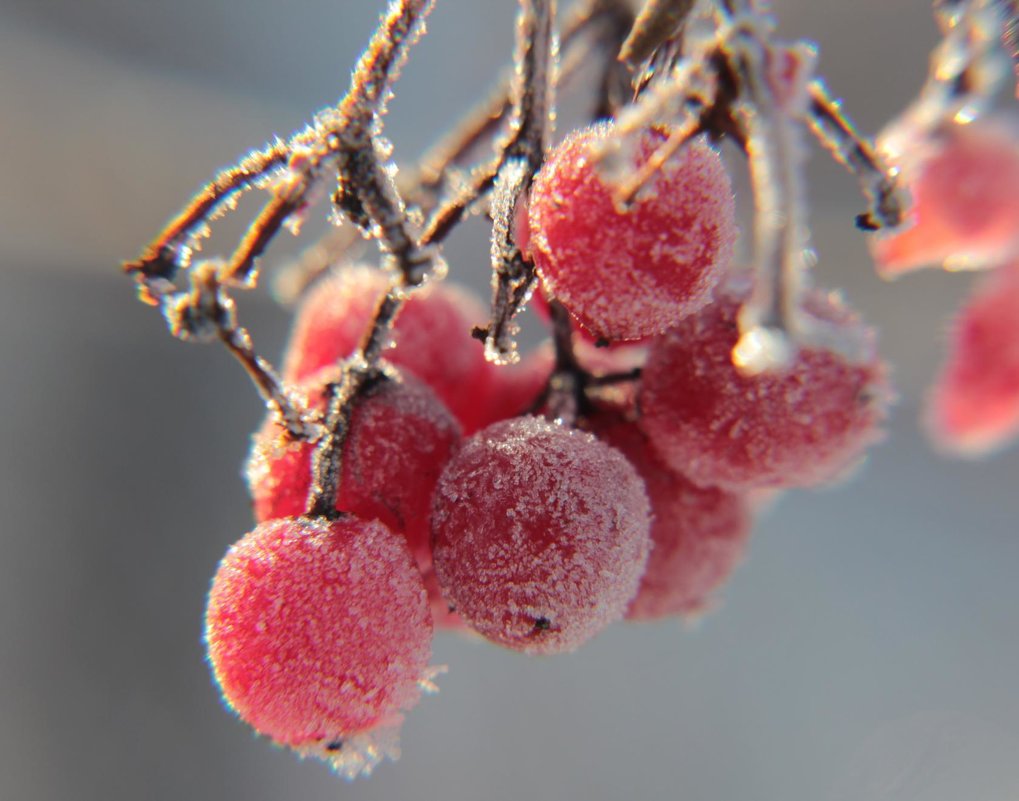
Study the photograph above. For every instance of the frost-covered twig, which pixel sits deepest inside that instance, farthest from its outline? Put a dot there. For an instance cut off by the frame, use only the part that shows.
(967, 69)
(161, 259)
(205, 313)
(368, 195)
(590, 25)
(658, 22)
(885, 204)
(513, 275)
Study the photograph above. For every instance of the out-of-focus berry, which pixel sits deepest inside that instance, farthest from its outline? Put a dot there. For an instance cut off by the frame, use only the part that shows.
(964, 181)
(801, 426)
(400, 438)
(974, 404)
(431, 336)
(698, 536)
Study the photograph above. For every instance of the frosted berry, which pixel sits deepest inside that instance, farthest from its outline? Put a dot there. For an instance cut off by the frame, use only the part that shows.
(540, 534)
(800, 426)
(319, 634)
(698, 536)
(634, 273)
(964, 182)
(400, 438)
(974, 405)
(431, 336)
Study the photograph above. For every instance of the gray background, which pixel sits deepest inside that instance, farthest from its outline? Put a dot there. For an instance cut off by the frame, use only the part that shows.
(866, 651)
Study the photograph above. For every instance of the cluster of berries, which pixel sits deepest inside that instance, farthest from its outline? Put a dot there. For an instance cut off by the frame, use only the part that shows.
(462, 505)
(963, 178)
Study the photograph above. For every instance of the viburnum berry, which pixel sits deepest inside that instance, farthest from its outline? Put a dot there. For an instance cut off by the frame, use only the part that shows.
(431, 336)
(540, 534)
(319, 635)
(628, 274)
(974, 404)
(799, 426)
(964, 181)
(399, 440)
(698, 536)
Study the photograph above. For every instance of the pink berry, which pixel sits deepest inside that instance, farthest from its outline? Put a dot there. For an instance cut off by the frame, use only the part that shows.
(319, 634)
(400, 438)
(964, 182)
(631, 274)
(801, 426)
(539, 534)
(432, 336)
(974, 405)
(698, 536)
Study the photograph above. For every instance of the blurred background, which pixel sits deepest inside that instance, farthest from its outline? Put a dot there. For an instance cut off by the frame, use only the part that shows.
(867, 650)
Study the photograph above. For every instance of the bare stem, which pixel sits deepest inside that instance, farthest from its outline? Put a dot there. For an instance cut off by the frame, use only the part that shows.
(369, 196)
(162, 257)
(885, 204)
(658, 22)
(522, 155)
(205, 313)
(771, 316)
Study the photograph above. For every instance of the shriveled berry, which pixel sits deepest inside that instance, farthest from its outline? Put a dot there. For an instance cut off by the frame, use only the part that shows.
(540, 534)
(319, 634)
(629, 274)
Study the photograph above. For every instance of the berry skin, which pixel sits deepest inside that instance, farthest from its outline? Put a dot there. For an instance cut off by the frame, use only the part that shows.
(400, 438)
(974, 405)
(630, 274)
(516, 388)
(698, 536)
(319, 634)
(964, 181)
(540, 534)
(431, 335)
(801, 426)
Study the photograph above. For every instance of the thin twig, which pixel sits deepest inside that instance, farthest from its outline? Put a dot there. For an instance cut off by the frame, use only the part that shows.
(522, 156)
(885, 204)
(204, 313)
(366, 186)
(162, 257)
(658, 22)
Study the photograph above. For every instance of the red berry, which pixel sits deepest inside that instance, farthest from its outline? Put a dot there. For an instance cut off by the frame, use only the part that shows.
(332, 320)
(796, 427)
(965, 186)
(431, 336)
(319, 635)
(974, 405)
(516, 388)
(540, 534)
(630, 274)
(400, 438)
(698, 536)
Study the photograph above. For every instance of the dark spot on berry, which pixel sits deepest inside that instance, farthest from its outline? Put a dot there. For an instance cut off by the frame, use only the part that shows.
(335, 745)
(542, 624)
